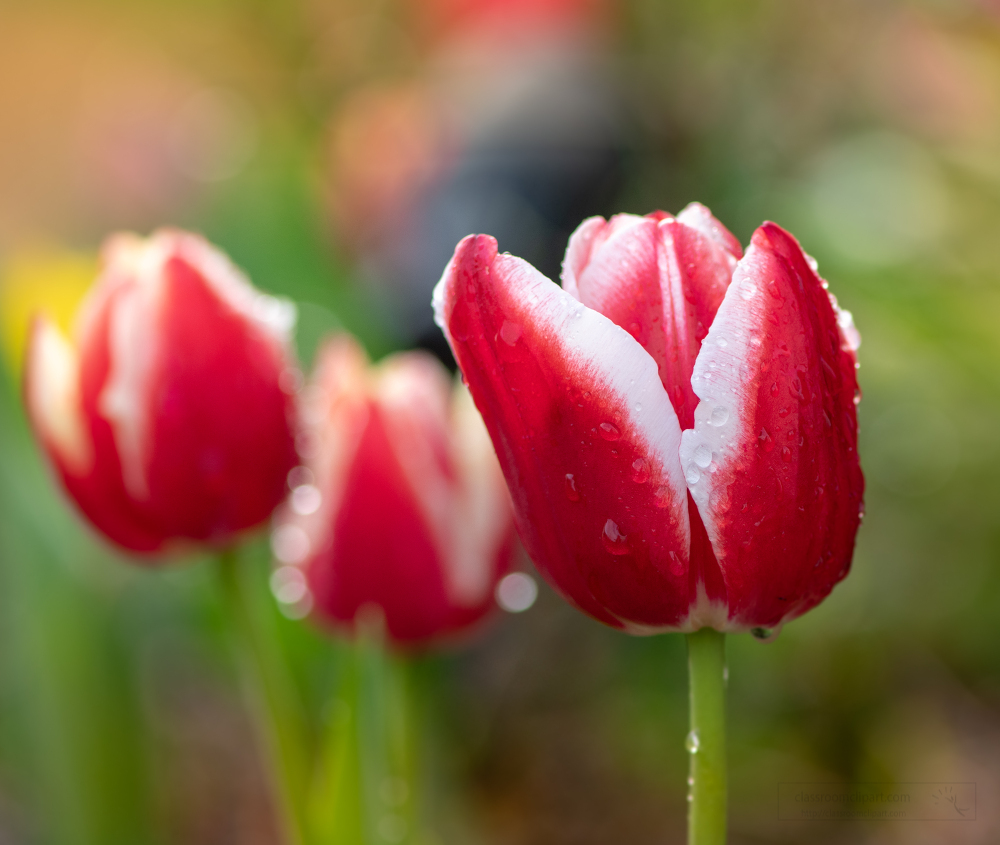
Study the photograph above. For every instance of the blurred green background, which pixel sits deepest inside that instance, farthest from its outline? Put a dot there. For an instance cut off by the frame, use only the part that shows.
(311, 140)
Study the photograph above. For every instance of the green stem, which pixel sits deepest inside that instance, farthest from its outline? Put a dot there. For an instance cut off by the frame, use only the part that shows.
(707, 740)
(270, 697)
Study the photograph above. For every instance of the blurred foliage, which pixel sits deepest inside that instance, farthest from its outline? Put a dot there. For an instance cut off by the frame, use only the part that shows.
(872, 131)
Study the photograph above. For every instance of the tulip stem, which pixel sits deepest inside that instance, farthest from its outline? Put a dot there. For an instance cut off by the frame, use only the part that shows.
(268, 692)
(707, 740)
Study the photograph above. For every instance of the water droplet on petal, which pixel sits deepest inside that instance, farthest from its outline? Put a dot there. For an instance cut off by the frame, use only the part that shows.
(722, 343)
(609, 431)
(662, 497)
(857, 396)
(703, 456)
(763, 634)
(640, 471)
(290, 544)
(306, 499)
(720, 414)
(786, 454)
(613, 539)
(692, 474)
(571, 492)
(510, 332)
(747, 289)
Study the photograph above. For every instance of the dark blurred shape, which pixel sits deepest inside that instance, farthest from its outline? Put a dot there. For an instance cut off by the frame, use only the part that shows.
(520, 137)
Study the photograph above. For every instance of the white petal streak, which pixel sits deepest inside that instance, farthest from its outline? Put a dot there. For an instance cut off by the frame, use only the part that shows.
(53, 398)
(482, 513)
(614, 363)
(133, 346)
(724, 367)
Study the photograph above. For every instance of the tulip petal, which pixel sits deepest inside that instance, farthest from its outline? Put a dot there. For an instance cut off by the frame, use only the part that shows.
(661, 280)
(699, 217)
(451, 470)
(584, 432)
(95, 485)
(772, 460)
(379, 524)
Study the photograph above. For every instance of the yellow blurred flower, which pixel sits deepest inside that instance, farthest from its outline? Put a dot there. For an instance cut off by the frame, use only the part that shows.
(40, 279)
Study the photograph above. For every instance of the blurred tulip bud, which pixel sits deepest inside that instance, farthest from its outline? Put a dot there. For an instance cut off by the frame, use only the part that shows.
(169, 417)
(677, 423)
(401, 505)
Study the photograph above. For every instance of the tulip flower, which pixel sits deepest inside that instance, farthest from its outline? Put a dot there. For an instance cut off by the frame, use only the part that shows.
(401, 504)
(677, 427)
(169, 417)
(676, 424)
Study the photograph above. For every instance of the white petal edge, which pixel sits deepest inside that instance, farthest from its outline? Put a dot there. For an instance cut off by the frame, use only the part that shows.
(722, 368)
(612, 359)
(53, 397)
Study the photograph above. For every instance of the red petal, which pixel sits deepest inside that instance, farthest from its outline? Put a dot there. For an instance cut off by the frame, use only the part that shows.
(221, 423)
(97, 487)
(772, 461)
(659, 279)
(585, 435)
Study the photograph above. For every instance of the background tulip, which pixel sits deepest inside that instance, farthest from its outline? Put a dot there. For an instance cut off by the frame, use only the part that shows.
(745, 521)
(401, 503)
(169, 416)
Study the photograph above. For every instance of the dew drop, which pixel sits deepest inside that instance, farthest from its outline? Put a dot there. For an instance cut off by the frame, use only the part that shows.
(761, 633)
(692, 474)
(786, 454)
(640, 471)
(613, 539)
(857, 395)
(662, 497)
(692, 743)
(747, 289)
(722, 343)
(510, 332)
(609, 431)
(784, 412)
(755, 340)
(571, 492)
(306, 499)
(766, 441)
(702, 456)
(774, 389)
(774, 290)
(720, 413)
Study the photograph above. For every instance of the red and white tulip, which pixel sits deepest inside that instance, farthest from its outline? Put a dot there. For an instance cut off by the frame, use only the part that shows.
(676, 424)
(400, 505)
(169, 417)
